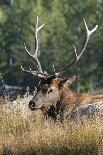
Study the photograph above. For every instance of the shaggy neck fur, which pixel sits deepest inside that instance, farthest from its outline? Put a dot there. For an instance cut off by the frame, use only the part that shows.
(72, 100)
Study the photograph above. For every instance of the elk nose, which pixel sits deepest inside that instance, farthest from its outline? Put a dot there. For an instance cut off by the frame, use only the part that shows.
(32, 105)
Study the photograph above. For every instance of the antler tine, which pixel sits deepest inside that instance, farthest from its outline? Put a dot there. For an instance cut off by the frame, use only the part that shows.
(36, 73)
(89, 32)
(34, 56)
(36, 46)
(78, 56)
(53, 68)
(28, 71)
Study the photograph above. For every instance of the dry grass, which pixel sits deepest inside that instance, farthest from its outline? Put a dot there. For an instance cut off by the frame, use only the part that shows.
(30, 135)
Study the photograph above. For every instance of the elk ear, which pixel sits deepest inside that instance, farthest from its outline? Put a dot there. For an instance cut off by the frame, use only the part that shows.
(56, 81)
(70, 80)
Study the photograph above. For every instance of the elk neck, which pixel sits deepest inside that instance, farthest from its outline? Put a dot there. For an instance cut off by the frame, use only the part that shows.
(71, 98)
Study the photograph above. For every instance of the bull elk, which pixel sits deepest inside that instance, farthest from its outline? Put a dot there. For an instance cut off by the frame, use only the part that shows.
(54, 96)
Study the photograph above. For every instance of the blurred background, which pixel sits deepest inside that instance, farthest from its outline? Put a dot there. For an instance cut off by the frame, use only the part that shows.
(64, 27)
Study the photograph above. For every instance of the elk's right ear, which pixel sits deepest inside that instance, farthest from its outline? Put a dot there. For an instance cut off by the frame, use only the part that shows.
(56, 81)
(70, 80)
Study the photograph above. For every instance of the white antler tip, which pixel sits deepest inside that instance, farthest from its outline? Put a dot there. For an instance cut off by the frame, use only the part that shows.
(84, 19)
(75, 49)
(96, 26)
(37, 18)
(86, 25)
(25, 45)
(88, 31)
(22, 67)
(39, 28)
(94, 29)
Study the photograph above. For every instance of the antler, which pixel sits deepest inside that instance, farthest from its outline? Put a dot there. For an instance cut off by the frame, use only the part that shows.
(78, 56)
(43, 74)
(34, 56)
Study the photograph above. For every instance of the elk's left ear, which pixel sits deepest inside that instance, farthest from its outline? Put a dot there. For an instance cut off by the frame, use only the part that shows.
(70, 80)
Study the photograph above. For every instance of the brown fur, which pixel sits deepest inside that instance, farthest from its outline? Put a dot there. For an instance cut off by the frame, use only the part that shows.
(60, 99)
(71, 100)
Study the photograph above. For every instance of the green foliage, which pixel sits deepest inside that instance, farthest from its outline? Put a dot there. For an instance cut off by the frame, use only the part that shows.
(63, 28)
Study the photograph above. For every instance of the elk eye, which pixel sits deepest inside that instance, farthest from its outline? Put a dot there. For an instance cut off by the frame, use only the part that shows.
(44, 91)
(50, 91)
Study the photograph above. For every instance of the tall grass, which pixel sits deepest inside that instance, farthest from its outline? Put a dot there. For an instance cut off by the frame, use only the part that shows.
(31, 134)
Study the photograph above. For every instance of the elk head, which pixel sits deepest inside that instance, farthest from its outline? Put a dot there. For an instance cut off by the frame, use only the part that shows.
(49, 93)
(51, 86)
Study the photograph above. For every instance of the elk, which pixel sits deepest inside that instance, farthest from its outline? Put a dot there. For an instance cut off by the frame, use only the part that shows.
(54, 96)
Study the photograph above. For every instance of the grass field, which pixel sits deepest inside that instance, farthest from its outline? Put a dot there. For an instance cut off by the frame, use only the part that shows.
(30, 134)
